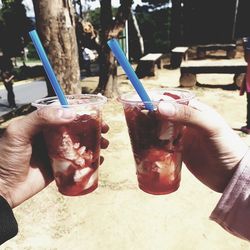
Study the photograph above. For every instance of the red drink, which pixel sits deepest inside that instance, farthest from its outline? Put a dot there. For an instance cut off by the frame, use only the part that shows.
(74, 148)
(156, 143)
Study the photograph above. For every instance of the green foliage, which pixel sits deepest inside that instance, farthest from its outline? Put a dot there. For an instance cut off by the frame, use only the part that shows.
(14, 26)
(155, 30)
(32, 53)
(154, 27)
(7, 3)
(94, 18)
(155, 2)
(152, 5)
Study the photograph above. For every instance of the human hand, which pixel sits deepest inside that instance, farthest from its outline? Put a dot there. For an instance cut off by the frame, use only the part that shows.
(24, 165)
(211, 149)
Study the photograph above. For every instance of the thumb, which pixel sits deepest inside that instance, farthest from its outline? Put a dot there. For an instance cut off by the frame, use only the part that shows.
(26, 127)
(195, 114)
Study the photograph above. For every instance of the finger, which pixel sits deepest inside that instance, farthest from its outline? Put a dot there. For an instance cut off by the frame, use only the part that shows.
(196, 114)
(31, 124)
(104, 143)
(105, 127)
(101, 159)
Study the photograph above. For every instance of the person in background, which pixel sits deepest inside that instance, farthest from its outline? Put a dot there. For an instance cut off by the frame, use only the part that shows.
(7, 78)
(86, 60)
(24, 164)
(216, 155)
(246, 84)
(88, 57)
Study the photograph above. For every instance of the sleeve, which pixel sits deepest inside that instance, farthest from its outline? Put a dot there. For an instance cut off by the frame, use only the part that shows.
(8, 223)
(233, 209)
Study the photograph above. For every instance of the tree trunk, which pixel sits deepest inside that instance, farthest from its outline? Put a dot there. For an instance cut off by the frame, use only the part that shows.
(108, 74)
(56, 26)
(176, 24)
(79, 4)
(110, 29)
(136, 43)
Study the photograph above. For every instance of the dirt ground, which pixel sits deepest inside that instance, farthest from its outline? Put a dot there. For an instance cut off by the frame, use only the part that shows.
(118, 215)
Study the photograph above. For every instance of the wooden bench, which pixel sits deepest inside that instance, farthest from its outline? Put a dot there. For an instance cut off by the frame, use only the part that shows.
(177, 55)
(147, 65)
(229, 48)
(190, 68)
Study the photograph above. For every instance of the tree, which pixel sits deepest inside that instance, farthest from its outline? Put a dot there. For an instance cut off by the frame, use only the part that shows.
(136, 41)
(110, 28)
(78, 5)
(153, 5)
(155, 29)
(14, 26)
(242, 30)
(176, 36)
(55, 23)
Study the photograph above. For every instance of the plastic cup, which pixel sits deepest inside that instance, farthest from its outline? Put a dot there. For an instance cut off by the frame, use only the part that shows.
(156, 143)
(74, 148)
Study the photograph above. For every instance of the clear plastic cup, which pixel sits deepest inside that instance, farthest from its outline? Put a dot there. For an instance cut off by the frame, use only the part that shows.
(74, 148)
(156, 143)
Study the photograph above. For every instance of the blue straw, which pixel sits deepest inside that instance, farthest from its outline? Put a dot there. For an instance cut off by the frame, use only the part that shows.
(48, 69)
(123, 61)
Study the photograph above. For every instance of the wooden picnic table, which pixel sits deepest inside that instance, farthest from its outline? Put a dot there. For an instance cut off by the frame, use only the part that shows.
(190, 68)
(230, 49)
(147, 65)
(177, 55)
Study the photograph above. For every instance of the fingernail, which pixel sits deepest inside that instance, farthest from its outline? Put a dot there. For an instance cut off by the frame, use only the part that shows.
(66, 113)
(167, 109)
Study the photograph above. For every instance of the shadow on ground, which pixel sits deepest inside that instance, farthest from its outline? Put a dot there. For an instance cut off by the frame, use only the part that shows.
(22, 110)
(230, 86)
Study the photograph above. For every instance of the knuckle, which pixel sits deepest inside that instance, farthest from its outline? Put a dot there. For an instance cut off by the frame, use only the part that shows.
(186, 113)
(104, 128)
(13, 131)
(42, 115)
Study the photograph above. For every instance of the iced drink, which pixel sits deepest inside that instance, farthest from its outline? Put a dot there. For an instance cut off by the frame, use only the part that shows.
(74, 148)
(156, 143)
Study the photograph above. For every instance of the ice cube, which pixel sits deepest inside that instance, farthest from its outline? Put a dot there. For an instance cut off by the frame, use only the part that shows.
(92, 179)
(81, 150)
(166, 131)
(80, 161)
(60, 165)
(80, 173)
(66, 148)
(145, 111)
(166, 169)
(76, 145)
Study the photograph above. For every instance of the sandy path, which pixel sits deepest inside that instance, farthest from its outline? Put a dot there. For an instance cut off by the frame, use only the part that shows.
(120, 216)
